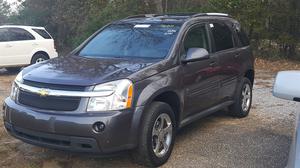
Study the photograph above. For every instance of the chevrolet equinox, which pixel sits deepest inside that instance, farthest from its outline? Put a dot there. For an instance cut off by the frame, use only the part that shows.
(133, 84)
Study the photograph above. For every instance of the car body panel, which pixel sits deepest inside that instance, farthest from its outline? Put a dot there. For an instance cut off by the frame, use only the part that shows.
(20, 53)
(84, 71)
(287, 87)
(198, 86)
(294, 155)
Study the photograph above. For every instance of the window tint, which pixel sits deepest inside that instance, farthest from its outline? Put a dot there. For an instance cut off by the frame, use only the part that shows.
(43, 33)
(196, 38)
(18, 34)
(222, 36)
(130, 41)
(4, 35)
(243, 38)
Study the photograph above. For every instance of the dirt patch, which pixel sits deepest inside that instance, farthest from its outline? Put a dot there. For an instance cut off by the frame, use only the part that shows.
(276, 65)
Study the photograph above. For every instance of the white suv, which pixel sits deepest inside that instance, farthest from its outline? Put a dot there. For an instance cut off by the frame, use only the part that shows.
(24, 45)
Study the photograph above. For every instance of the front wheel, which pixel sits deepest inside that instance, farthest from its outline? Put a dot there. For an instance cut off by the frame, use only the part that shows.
(243, 100)
(157, 136)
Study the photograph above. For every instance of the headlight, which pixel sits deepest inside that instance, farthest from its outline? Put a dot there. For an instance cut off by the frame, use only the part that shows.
(19, 77)
(121, 97)
(15, 87)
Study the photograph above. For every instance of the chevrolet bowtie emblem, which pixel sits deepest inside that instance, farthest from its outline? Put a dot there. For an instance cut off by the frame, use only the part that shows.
(43, 92)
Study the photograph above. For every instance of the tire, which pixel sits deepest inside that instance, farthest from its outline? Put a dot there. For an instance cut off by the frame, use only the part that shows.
(150, 135)
(39, 57)
(13, 69)
(242, 104)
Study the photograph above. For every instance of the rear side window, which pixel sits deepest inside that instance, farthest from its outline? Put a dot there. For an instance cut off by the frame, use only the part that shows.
(18, 34)
(196, 38)
(43, 33)
(223, 36)
(243, 37)
(4, 35)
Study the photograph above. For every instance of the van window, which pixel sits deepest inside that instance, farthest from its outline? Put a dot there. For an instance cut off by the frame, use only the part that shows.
(18, 34)
(43, 33)
(223, 36)
(4, 35)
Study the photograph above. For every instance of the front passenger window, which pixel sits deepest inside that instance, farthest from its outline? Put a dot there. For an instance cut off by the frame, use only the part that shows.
(196, 38)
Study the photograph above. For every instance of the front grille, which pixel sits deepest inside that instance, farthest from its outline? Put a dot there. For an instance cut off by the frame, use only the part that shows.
(56, 103)
(54, 86)
(48, 102)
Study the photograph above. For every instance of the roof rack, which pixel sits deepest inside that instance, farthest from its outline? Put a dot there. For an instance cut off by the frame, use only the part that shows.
(188, 15)
(142, 16)
(211, 14)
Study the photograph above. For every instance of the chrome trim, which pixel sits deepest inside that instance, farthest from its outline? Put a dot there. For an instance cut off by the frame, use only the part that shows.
(63, 93)
(217, 14)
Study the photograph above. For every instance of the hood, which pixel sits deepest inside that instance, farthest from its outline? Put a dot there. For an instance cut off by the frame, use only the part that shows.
(74, 70)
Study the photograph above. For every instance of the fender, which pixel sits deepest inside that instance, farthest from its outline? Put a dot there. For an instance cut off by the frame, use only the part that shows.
(151, 88)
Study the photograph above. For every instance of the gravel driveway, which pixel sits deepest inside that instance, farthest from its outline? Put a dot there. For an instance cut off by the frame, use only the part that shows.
(260, 140)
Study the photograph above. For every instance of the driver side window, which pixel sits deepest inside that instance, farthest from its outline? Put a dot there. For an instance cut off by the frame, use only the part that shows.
(195, 38)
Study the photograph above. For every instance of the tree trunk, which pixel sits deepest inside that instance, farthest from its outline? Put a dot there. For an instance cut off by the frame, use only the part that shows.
(159, 6)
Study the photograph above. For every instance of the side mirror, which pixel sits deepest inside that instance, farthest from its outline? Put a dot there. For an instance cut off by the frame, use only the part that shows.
(196, 54)
(287, 85)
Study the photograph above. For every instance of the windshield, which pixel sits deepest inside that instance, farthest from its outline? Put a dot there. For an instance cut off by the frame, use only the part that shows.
(132, 40)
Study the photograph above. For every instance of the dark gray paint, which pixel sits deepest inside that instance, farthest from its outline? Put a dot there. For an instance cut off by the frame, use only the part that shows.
(201, 88)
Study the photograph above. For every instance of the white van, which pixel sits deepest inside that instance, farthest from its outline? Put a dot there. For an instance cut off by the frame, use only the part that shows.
(24, 45)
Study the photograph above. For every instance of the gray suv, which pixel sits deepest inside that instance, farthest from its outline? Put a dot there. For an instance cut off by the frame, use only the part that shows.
(133, 84)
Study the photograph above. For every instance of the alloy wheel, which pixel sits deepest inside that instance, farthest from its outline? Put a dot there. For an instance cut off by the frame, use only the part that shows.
(39, 60)
(246, 97)
(162, 135)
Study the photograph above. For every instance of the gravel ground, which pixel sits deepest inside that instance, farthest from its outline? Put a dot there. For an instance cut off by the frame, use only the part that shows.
(260, 140)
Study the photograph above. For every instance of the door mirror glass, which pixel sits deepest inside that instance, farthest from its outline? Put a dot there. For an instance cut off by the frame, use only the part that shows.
(287, 85)
(196, 54)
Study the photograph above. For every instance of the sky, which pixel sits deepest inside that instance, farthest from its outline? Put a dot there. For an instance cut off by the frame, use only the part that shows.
(14, 4)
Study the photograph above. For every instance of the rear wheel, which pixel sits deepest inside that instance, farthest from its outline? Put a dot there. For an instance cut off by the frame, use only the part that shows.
(38, 58)
(157, 137)
(243, 100)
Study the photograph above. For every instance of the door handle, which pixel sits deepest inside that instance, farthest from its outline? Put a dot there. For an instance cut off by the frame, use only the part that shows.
(236, 55)
(8, 46)
(213, 63)
(35, 44)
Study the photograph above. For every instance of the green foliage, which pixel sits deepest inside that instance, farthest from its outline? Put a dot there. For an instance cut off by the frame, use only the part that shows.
(273, 25)
(4, 11)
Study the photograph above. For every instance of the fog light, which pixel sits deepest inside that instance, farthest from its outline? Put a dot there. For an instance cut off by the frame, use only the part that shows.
(98, 127)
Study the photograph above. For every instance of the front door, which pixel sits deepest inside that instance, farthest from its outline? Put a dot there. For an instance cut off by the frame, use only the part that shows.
(200, 78)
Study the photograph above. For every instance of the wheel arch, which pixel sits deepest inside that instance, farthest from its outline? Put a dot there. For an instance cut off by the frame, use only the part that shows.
(40, 52)
(168, 96)
(250, 74)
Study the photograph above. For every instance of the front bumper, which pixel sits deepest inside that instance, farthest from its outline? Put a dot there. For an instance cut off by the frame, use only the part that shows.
(72, 132)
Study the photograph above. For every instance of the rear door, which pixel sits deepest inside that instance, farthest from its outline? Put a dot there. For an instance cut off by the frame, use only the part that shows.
(21, 45)
(200, 78)
(227, 52)
(45, 42)
(4, 47)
